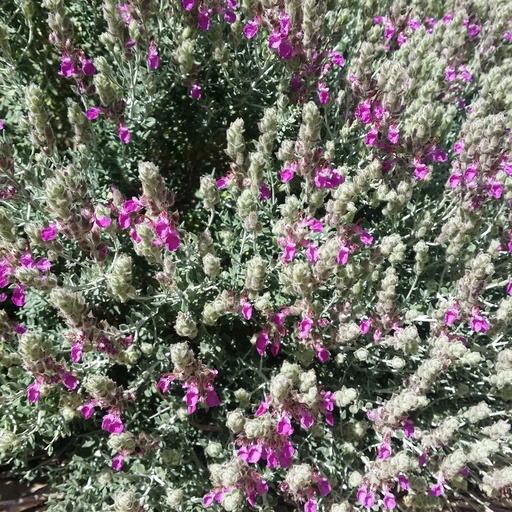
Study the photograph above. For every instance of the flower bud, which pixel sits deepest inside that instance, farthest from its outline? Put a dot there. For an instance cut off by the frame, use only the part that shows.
(174, 498)
(209, 192)
(181, 355)
(126, 502)
(171, 457)
(211, 265)
(100, 386)
(298, 478)
(236, 141)
(280, 387)
(233, 500)
(255, 274)
(119, 280)
(244, 397)
(235, 421)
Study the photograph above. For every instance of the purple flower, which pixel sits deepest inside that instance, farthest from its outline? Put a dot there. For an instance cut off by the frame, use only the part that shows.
(420, 171)
(509, 288)
(229, 16)
(212, 399)
(310, 505)
(393, 134)
(284, 49)
(76, 352)
(117, 462)
(478, 323)
(1, 125)
(284, 427)
(455, 180)
(323, 93)
(389, 501)
(153, 58)
(112, 423)
(496, 190)
(371, 136)
(33, 392)
(465, 74)
(264, 191)
(187, 4)
(401, 39)
(306, 420)
(251, 29)
(67, 68)
(222, 183)
(246, 310)
(470, 173)
(338, 59)
(451, 316)
(203, 18)
(124, 134)
(384, 451)
(342, 257)
(49, 233)
(18, 296)
(422, 459)
(437, 489)
(92, 113)
(414, 24)
(408, 428)
(289, 251)
(69, 380)
(450, 75)
(363, 112)
(195, 92)
(312, 253)
(322, 353)
(305, 327)
(447, 18)
(262, 342)
(286, 175)
(88, 68)
(172, 242)
(324, 486)
(87, 410)
(389, 31)
(458, 147)
(403, 482)
(473, 29)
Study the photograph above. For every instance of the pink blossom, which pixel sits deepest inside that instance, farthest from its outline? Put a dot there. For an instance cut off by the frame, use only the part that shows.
(384, 451)
(67, 68)
(315, 225)
(191, 399)
(473, 29)
(324, 486)
(284, 49)
(212, 399)
(203, 18)
(264, 191)
(451, 316)
(338, 59)
(403, 482)
(509, 288)
(246, 310)
(470, 173)
(363, 112)
(172, 242)
(393, 134)
(455, 180)
(289, 251)
(88, 68)
(312, 253)
(195, 92)
(496, 190)
(414, 24)
(371, 136)
(465, 74)
(262, 409)
(369, 500)
(422, 459)
(306, 420)
(408, 428)
(401, 39)
(1, 125)
(321, 353)
(33, 392)
(286, 175)
(124, 134)
(153, 58)
(18, 296)
(450, 75)
(305, 327)
(437, 489)
(112, 423)
(389, 31)
(251, 29)
(458, 147)
(310, 505)
(389, 501)
(378, 110)
(447, 18)
(103, 222)
(76, 352)
(262, 342)
(49, 233)
(420, 171)
(69, 380)
(87, 410)
(229, 16)
(365, 326)
(222, 183)
(479, 323)
(342, 257)
(187, 4)
(124, 11)
(284, 427)
(323, 93)
(117, 462)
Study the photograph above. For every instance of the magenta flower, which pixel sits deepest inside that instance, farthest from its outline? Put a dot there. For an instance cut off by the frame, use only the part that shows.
(384, 451)
(203, 18)
(363, 112)
(365, 326)
(246, 309)
(393, 134)
(117, 462)
(408, 428)
(212, 399)
(18, 296)
(92, 113)
(401, 39)
(455, 180)
(251, 29)
(496, 190)
(112, 423)
(447, 18)
(323, 93)
(262, 342)
(478, 323)
(306, 420)
(286, 175)
(389, 31)
(371, 136)
(465, 74)
(187, 4)
(33, 392)
(509, 288)
(322, 353)
(87, 410)
(422, 459)
(451, 316)
(437, 489)
(124, 134)
(195, 92)
(450, 75)
(310, 505)
(229, 16)
(153, 58)
(389, 501)
(69, 380)
(264, 192)
(88, 68)
(312, 253)
(49, 233)
(76, 352)
(420, 171)
(458, 147)
(305, 327)
(414, 24)
(284, 427)
(289, 251)
(222, 183)
(342, 257)
(1, 125)
(403, 482)
(67, 68)
(338, 59)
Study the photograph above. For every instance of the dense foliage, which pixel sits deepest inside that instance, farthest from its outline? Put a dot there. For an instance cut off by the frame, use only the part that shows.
(256, 254)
